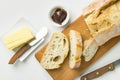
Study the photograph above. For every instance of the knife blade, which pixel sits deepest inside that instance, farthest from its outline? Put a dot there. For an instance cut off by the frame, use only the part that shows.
(99, 72)
(42, 33)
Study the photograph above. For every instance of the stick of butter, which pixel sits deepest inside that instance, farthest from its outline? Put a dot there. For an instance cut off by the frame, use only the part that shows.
(18, 38)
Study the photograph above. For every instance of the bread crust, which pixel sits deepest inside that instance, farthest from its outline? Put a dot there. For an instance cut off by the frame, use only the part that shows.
(97, 5)
(107, 34)
(90, 49)
(75, 49)
(102, 19)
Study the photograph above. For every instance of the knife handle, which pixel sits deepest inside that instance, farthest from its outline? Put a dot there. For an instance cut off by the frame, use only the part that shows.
(19, 53)
(98, 72)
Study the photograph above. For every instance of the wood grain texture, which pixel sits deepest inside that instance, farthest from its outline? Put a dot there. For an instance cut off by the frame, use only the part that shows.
(65, 73)
(99, 72)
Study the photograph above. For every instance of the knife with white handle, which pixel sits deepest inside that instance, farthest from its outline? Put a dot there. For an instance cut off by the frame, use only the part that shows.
(32, 49)
(40, 35)
(99, 72)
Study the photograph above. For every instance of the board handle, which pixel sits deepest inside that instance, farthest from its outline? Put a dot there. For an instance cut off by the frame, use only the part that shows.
(97, 73)
(20, 52)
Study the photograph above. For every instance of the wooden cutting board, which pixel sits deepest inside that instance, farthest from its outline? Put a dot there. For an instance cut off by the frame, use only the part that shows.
(65, 73)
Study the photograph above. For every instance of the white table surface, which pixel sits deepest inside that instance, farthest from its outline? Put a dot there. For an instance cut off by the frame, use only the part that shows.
(36, 11)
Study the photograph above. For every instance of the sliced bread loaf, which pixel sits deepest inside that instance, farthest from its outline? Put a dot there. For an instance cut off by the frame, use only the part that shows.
(75, 49)
(103, 20)
(56, 51)
(90, 49)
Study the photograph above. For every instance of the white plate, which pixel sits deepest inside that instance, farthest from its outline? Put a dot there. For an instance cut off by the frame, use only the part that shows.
(22, 22)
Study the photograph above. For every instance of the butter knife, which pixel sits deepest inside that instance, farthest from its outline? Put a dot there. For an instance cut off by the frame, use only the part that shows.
(40, 35)
(99, 72)
(31, 50)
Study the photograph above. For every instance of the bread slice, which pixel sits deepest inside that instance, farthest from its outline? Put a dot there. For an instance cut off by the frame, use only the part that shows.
(75, 49)
(103, 20)
(56, 51)
(90, 49)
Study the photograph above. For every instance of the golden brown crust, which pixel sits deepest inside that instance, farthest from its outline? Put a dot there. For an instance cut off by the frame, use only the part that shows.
(104, 21)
